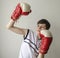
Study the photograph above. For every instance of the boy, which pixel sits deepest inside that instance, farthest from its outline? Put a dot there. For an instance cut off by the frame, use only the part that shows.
(30, 39)
(35, 44)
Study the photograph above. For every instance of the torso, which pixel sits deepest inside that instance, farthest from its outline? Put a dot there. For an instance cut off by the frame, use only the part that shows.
(30, 45)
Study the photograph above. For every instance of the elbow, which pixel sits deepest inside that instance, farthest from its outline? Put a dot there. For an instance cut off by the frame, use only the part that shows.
(10, 24)
(8, 27)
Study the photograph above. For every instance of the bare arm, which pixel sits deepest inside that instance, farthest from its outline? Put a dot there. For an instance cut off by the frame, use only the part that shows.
(40, 55)
(17, 30)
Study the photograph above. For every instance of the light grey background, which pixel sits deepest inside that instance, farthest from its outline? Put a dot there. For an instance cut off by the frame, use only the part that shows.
(10, 42)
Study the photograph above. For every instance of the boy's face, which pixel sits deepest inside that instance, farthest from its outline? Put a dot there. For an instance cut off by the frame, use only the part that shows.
(40, 27)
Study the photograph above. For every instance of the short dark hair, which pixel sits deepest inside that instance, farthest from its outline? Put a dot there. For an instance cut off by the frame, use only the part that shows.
(44, 21)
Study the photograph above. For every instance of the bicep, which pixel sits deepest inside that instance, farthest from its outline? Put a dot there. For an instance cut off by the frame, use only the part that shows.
(18, 30)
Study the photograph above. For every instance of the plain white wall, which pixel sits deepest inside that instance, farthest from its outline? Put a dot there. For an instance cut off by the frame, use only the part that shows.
(10, 42)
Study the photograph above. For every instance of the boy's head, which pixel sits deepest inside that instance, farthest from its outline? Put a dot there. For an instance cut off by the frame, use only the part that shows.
(43, 24)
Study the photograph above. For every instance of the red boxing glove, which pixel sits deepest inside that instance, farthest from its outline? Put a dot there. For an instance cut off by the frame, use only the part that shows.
(21, 9)
(46, 39)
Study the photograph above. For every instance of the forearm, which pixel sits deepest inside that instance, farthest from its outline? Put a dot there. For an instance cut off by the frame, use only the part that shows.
(40, 55)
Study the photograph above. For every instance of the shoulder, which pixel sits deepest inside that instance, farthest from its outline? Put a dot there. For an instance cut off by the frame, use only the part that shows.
(29, 33)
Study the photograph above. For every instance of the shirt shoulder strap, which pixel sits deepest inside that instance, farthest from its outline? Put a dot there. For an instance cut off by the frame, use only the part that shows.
(26, 34)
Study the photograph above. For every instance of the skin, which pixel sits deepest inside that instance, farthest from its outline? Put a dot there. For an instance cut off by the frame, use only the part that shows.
(23, 31)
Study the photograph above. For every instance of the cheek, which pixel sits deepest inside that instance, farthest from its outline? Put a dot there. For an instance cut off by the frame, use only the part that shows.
(38, 30)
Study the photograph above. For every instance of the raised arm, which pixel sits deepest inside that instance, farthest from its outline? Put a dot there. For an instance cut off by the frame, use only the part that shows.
(15, 29)
(20, 10)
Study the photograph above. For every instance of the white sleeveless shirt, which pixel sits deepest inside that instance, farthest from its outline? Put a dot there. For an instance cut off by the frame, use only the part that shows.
(29, 47)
